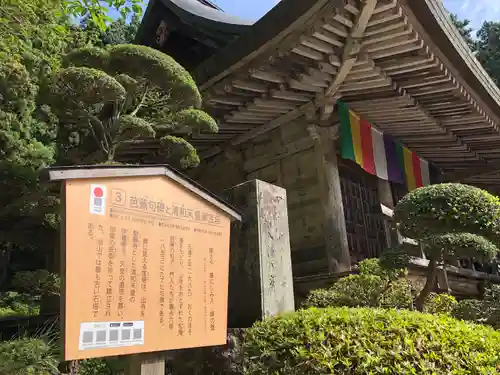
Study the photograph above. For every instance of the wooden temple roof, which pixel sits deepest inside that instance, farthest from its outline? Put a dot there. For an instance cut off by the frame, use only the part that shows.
(400, 64)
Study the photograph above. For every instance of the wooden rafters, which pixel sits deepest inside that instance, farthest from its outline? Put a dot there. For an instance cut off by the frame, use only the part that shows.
(324, 98)
(402, 91)
(466, 174)
(352, 46)
(390, 76)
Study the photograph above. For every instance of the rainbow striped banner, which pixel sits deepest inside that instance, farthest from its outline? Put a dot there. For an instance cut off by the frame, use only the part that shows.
(380, 154)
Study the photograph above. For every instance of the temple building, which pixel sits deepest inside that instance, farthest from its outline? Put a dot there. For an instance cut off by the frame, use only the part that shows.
(347, 104)
(189, 30)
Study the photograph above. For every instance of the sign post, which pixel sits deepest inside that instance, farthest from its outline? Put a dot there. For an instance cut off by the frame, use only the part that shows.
(145, 257)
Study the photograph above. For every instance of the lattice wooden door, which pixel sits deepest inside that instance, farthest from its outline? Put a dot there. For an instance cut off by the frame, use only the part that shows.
(364, 220)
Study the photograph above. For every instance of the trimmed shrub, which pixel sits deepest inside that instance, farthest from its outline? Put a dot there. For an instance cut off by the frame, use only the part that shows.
(352, 291)
(375, 286)
(156, 67)
(101, 366)
(439, 304)
(486, 311)
(444, 208)
(472, 310)
(369, 341)
(363, 291)
(451, 221)
(399, 256)
(397, 295)
(27, 356)
(373, 266)
(17, 304)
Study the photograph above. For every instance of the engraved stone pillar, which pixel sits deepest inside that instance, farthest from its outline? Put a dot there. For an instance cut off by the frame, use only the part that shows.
(260, 276)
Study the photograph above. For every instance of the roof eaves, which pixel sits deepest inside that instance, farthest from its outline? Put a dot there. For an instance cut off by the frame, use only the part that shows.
(437, 29)
(278, 24)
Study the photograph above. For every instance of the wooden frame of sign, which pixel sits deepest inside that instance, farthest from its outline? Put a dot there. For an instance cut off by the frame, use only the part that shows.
(144, 261)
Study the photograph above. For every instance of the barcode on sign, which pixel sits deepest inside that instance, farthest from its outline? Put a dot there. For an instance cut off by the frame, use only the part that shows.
(98, 204)
(111, 334)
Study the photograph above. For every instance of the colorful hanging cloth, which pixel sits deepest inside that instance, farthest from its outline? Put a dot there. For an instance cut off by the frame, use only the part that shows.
(378, 153)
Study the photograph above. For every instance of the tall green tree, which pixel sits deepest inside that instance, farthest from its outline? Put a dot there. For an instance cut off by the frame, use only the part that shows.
(120, 31)
(485, 43)
(34, 35)
(464, 29)
(488, 49)
(98, 10)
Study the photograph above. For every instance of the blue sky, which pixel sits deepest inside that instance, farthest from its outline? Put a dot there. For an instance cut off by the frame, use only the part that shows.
(475, 10)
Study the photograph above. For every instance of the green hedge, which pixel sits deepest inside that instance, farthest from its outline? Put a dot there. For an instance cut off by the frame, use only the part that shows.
(369, 341)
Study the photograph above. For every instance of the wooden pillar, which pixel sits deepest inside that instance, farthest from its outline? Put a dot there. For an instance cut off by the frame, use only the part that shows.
(260, 273)
(385, 197)
(336, 244)
(145, 364)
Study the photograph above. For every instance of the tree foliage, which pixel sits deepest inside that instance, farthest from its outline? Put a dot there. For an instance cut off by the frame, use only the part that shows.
(18, 304)
(488, 49)
(485, 43)
(37, 283)
(463, 27)
(33, 36)
(98, 10)
(142, 93)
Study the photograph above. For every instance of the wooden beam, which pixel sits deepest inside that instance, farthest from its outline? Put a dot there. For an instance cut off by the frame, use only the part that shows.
(472, 172)
(145, 364)
(352, 46)
(386, 199)
(277, 122)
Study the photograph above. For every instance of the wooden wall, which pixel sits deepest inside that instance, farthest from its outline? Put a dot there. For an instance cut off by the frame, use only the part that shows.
(285, 157)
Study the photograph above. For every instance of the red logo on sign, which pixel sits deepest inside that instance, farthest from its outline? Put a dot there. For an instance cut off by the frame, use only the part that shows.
(98, 192)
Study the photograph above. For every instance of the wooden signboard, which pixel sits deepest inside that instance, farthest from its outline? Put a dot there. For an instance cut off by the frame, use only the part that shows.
(145, 263)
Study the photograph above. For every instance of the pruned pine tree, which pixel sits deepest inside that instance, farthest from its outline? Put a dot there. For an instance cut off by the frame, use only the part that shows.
(106, 98)
(451, 221)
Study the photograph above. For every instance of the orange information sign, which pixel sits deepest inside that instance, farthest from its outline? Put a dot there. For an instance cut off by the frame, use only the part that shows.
(145, 267)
